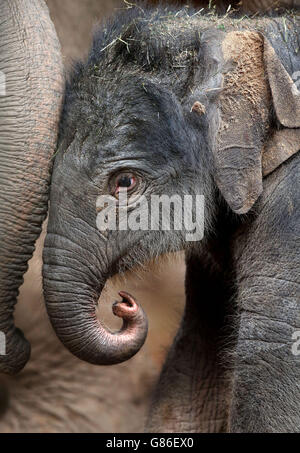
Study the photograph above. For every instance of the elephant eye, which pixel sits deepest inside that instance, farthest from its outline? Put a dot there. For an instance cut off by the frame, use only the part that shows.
(124, 181)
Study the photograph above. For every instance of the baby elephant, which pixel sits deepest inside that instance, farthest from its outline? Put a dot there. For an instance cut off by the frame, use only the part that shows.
(189, 106)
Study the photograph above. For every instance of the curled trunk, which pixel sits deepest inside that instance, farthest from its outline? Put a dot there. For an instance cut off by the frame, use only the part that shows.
(74, 275)
(85, 335)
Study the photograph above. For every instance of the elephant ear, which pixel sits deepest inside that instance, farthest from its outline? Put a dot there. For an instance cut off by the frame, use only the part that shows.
(256, 80)
(286, 100)
(285, 95)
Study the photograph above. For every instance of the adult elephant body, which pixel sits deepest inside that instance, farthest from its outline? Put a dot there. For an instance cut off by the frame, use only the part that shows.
(187, 104)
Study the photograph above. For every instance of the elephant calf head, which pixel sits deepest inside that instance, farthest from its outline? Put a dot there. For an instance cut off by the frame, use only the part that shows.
(161, 107)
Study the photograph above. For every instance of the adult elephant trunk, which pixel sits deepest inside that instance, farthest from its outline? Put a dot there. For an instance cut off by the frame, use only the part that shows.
(31, 87)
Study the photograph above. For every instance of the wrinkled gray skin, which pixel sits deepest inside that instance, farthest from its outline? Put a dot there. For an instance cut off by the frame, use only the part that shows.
(130, 108)
(30, 103)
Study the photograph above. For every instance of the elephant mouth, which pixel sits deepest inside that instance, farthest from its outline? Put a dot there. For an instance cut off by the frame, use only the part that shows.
(158, 283)
(149, 251)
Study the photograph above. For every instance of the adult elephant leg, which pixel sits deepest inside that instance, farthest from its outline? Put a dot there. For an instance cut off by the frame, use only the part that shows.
(191, 392)
(30, 99)
(266, 380)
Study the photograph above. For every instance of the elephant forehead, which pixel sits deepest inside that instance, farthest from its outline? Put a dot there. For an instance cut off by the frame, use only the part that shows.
(144, 119)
